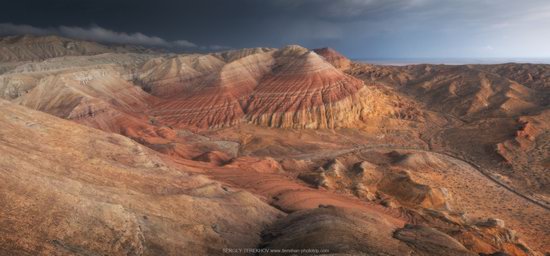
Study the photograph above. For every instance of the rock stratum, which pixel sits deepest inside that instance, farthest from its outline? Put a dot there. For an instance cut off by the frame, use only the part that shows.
(120, 150)
(288, 88)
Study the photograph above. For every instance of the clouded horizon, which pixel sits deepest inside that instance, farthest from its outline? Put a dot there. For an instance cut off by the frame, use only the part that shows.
(357, 28)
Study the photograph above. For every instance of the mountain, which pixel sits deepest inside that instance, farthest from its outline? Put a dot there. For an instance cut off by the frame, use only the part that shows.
(113, 150)
(36, 48)
(26, 47)
(290, 87)
(333, 57)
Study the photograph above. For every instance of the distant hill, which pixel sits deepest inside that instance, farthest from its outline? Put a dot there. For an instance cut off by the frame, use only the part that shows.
(35, 48)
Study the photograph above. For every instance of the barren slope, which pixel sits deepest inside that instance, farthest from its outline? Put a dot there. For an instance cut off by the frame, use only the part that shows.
(67, 189)
(529, 151)
(382, 160)
(488, 104)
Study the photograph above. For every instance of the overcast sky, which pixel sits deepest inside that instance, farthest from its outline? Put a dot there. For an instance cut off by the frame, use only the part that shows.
(357, 28)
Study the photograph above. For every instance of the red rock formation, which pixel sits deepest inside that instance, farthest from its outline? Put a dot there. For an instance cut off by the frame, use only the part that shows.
(304, 91)
(214, 100)
(67, 189)
(291, 87)
(335, 58)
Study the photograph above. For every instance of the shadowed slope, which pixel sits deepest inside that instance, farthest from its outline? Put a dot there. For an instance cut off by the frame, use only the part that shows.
(467, 91)
(350, 232)
(335, 58)
(34, 48)
(529, 151)
(167, 77)
(535, 76)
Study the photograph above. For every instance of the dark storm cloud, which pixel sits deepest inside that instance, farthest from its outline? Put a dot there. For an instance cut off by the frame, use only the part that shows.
(348, 9)
(94, 33)
(359, 28)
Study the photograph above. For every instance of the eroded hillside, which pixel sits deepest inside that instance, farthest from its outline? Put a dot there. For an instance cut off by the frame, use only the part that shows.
(270, 148)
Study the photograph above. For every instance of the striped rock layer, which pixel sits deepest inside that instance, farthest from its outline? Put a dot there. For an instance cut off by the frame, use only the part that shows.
(291, 87)
(335, 58)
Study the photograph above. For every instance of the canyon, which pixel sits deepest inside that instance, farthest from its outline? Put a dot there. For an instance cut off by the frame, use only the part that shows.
(123, 150)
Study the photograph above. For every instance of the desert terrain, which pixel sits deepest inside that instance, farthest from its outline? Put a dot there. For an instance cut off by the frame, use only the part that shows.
(121, 150)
